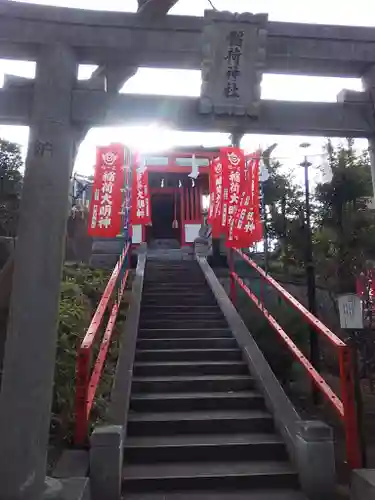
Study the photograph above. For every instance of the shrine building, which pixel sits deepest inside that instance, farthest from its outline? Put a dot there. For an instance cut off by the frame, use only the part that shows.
(179, 197)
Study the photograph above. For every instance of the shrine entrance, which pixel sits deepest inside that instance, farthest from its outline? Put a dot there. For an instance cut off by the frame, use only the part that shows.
(165, 215)
(176, 205)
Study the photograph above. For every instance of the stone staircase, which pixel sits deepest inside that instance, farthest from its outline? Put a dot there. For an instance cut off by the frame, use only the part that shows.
(198, 428)
(168, 250)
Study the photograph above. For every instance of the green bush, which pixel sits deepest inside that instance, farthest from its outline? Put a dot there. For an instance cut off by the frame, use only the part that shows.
(74, 317)
(269, 341)
(81, 290)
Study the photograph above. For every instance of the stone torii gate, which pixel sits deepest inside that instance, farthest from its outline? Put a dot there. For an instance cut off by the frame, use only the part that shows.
(59, 110)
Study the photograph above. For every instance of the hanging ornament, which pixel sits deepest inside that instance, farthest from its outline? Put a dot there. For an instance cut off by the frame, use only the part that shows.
(194, 168)
(192, 183)
(179, 184)
(162, 183)
(175, 221)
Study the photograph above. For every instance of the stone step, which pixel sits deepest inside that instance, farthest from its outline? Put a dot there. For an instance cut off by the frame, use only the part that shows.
(168, 277)
(173, 324)
(182, 294)
(177, 300)
(165, 368)
(182, 333)
(220, 447)
(168, 274)
(156, 355)
(193, 401)
(178, 286)
(191, 383)
(229, 494)
(199, 422)
(209, 475)
(187, 343)
(192, 292)
(181, 309)
(185, 316)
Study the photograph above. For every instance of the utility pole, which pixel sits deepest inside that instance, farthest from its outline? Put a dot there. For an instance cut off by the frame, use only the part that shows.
(310, 271)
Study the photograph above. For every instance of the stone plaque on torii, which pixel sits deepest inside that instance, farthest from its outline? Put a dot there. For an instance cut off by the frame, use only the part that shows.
(233, 60)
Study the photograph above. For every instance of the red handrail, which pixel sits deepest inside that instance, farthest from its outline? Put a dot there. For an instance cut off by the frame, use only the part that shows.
(310, 318)
(346, 406)
(87, 382)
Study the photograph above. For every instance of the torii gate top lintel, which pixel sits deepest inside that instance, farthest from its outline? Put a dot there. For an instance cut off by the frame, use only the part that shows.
(175, 41)
(120, 42)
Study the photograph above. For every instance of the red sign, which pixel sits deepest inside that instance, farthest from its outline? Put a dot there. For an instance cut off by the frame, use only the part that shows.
(233, 161)
(225, 193)
(236, 174)
(247, 227)
(216, 188)
(212, 181)
(141, 205)
(106, 203)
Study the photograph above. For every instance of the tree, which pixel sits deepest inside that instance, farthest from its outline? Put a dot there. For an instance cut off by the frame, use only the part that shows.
(283, 200)
(344, 238)
(10, 186)
(343, 224)
(10, 190)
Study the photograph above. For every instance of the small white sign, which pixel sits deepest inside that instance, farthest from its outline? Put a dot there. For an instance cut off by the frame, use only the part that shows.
(191, 232)
(351, 311)
(137, 234)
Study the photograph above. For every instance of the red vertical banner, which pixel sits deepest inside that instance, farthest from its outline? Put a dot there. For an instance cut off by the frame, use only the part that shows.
(216, 192)
(236, 174)
(106, 203)
(247, 226)
(225, 193)
(235, 171)
(141, 204)
(212, 183)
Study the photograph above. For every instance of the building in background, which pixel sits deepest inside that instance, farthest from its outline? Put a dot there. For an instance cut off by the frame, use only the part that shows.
(179, 191)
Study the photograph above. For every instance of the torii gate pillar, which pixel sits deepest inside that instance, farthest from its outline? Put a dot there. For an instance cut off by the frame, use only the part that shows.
(368, 81)
(29, 362)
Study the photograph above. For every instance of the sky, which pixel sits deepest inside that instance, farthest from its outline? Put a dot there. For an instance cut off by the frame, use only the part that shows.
(187, 83)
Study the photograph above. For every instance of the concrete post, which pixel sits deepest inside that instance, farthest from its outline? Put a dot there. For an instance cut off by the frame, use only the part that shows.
(106, 456)
(26, 392)
(315, 457)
